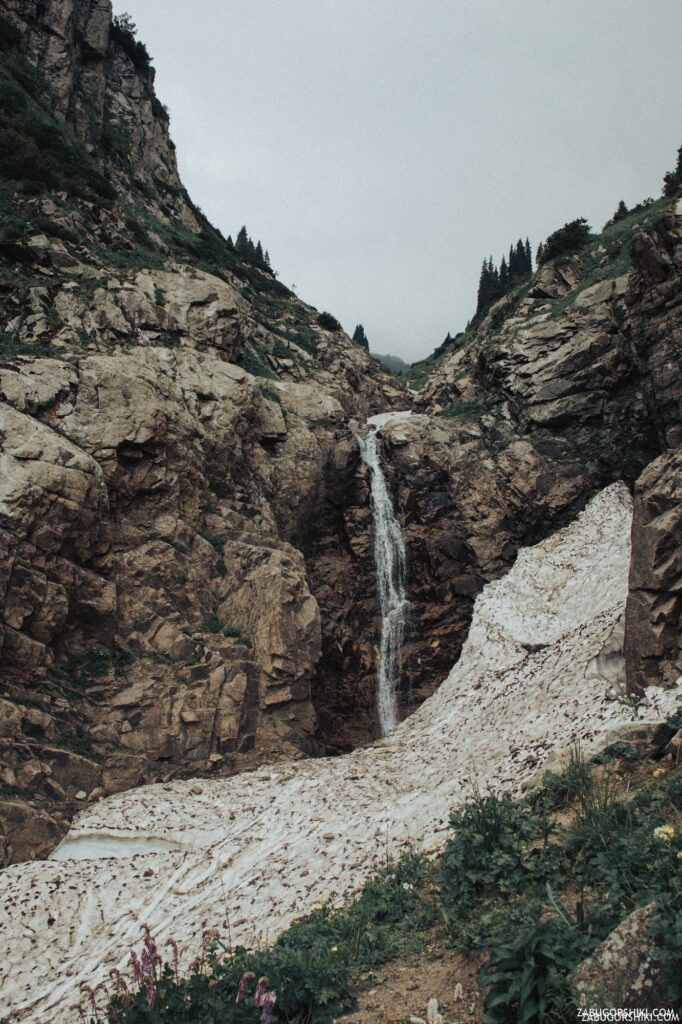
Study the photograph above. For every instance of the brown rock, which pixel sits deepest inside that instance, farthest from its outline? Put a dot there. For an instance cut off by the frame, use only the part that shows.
(653, 620)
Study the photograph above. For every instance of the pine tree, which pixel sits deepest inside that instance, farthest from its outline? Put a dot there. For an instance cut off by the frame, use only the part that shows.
(520, 258)
(230, 243)
(242, 243)
(512, 261)
(672, 182)
(482, 299)
(504, 276)
(529, 258)
(266, 260)
(539, 253)
(260, 258)
(360, 338)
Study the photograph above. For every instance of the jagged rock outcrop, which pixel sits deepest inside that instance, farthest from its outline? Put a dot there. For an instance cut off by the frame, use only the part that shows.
(653, 634)
(573, 382)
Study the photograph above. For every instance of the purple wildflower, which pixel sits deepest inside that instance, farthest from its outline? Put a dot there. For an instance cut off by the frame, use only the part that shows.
(267, 1004)
(247, 977)
(137, 968)
(151, 992)
(260, 991)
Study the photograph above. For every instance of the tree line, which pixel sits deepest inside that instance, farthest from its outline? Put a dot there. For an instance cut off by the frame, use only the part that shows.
(495, 281)
(245, 248)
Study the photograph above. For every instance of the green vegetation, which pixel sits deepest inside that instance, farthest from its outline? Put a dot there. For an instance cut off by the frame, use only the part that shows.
(495, 282)
(394, 364)
(216, 542)
(36, 151)
(463, 409)
(309, 968)
(10, 34)
(360, 338)
(84, 670)
(565, 241)
(672, 182)
(122, 32)
(609, 254)
(537, 892)
(248, 251)
(11, 345)
(328, 322)
(419, 372)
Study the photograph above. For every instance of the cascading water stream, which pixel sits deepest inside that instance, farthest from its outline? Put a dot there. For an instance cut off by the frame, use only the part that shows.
(390, 561)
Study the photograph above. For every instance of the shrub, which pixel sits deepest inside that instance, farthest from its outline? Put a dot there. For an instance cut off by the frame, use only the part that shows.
(328, 322)
(492, 871)
(569, 239)
(122, 32)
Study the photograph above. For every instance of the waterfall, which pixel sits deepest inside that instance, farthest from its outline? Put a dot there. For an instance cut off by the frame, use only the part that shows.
(389, 558)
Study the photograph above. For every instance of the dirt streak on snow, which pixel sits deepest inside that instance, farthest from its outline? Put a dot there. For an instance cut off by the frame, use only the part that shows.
(267, 845)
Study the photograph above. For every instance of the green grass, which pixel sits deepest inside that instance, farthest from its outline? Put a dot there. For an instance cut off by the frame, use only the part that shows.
(616, 241)
(463, 409)
(11, 345)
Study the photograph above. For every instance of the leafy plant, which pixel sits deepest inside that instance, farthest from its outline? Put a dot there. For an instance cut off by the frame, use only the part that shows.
(528, 978)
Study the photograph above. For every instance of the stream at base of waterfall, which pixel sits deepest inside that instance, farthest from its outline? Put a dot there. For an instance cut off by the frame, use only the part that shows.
(390, 561)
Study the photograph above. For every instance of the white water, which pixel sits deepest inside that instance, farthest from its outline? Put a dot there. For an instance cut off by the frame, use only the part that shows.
(390, 560)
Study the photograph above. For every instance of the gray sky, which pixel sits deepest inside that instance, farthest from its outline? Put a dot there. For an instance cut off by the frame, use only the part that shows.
(380, 149)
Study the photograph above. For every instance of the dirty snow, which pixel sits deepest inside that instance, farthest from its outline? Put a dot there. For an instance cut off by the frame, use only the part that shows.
(266, 846)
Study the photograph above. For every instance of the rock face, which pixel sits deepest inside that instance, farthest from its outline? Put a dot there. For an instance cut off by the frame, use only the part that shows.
(571, 383)
(526, 678)
(153, 601)
(654, 613)
(104, 92)
(623, 970)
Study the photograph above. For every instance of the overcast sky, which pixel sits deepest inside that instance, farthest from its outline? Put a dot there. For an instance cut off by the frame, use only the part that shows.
(380, 149)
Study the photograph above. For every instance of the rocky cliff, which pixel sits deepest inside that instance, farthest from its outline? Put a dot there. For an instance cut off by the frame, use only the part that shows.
(186, 572)
(174, 425)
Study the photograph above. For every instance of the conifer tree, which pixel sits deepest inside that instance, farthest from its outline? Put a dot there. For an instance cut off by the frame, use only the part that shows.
(242, 243)
(360, 337)
(529, 258)
(260, 258)
(504, 276)
(520, 258)
(672, 182)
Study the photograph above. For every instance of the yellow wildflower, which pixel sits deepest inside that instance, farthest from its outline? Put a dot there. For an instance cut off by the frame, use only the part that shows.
(666, 832)
(659, 771)
(333, 949)
(679, 855)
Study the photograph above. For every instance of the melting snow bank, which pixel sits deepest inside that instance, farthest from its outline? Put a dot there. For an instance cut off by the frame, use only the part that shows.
(265, 846)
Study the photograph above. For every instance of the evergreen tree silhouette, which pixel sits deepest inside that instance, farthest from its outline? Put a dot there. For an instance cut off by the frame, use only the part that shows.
(360, 337)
